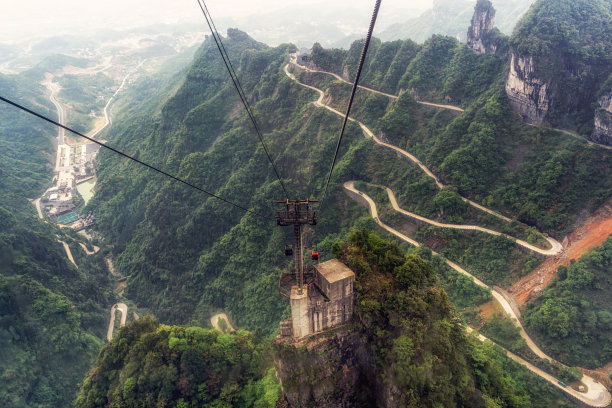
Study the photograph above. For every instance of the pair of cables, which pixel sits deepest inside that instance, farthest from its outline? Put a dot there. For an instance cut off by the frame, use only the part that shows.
(236, 82)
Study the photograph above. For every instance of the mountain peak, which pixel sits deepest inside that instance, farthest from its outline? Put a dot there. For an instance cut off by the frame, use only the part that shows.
(480, 28)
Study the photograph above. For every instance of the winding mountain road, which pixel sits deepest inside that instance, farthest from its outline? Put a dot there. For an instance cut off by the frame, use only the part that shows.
(575, 135)
(68, 252)
(556, 246)
(597, 395)
(122, 307)
(594, 397)
(555, 249)
(293, 61)
(61, 116)
(87, 251)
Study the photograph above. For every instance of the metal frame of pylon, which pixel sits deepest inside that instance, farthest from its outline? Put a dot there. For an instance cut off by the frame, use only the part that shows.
(297, 213)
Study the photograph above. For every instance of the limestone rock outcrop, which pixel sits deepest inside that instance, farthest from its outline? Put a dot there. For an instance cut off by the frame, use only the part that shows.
(602, 131)
(529, 95)
(478, 36)
(325, 370)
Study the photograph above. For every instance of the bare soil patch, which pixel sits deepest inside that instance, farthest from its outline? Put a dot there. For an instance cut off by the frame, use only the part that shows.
(592, 233)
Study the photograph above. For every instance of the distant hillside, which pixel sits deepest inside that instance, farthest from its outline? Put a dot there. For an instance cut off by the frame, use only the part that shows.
(452, 17)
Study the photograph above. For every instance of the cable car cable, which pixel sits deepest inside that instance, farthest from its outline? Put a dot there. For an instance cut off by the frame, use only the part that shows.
(237, 85)
(31, 112)
(348, 109)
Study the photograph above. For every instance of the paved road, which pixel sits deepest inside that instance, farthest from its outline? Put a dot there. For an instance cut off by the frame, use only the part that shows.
(111, 325)
(38, 209)
(594, 397)
(556, 246)
(555, 249)
(107, 119)
(597, 394)
(575, 135)
(54, 88)
(293, 60)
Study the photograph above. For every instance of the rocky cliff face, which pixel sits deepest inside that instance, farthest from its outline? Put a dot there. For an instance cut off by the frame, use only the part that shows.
(324, 370)
(481, 27)
(602, 131)
(561, 56)
(529, 95)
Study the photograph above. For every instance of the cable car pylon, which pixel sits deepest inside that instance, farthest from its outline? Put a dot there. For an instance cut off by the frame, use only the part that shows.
(297, 213)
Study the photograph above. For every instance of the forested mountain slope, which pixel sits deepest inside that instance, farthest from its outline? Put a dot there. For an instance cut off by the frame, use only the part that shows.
(573, 316)
(561, 58)
(205, 253)
(149, 364)
(406, 346)
(52, 315)
(187, 255)
(537, 175)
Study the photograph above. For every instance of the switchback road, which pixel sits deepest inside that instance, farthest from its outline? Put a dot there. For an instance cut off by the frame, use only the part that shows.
(122, 307)
(293, 60)
(556, 246)
(597, 395)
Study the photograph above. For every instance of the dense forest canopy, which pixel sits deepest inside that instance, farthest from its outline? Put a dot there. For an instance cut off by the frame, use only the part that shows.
(52, 315)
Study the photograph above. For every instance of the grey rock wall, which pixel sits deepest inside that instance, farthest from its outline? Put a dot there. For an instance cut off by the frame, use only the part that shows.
(482, 24)
(529, 95)
(602, 131)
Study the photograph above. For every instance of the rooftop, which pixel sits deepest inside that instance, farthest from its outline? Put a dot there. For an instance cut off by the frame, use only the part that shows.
(334, 270)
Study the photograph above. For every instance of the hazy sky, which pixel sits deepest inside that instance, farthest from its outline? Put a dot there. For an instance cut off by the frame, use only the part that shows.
(27, 18)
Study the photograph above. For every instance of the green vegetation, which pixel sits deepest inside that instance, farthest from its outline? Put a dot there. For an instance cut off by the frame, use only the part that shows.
(85, 94)
(493, 259)
(503, 331)
(419, 346)
(52, 316)
(153, 365)
(573, 316)
(486, 152)
(188, 255)
(571, 44)
(24, 142)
